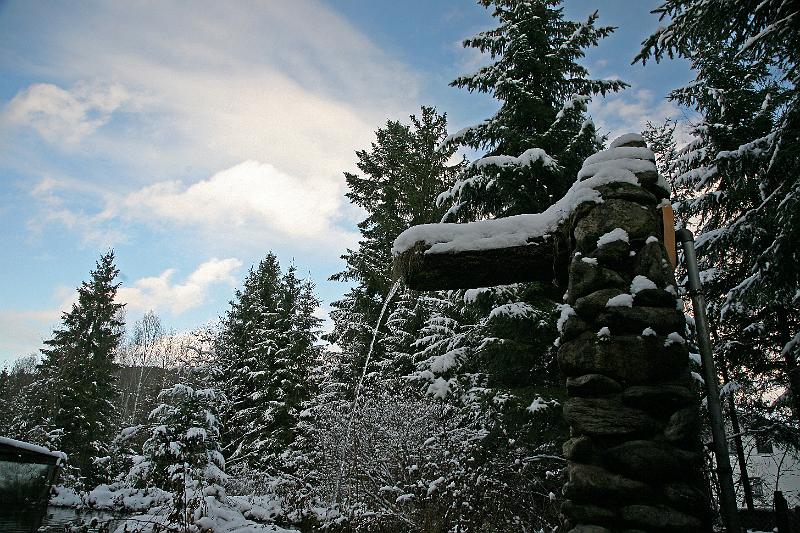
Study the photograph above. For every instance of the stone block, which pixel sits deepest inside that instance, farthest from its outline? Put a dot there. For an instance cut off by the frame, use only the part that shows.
(588, 529)
(628, 359)
(683, 425)
(593, 304)
(577, 449)
(585, 278)
(650, 263)
(654, 298)
(607, 416)
(648, 179)
(573, 327)
(621, 190)
(646, 460)
(630, 141)
(686, 498)
(586, 513)
(663, 320)
(660, 517)
(615, 255)
(639, 222)
(589, 483)
(662, 399)
(592, 385)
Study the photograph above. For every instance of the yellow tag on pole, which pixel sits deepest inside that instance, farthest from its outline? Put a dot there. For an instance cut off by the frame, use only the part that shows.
(668, 217)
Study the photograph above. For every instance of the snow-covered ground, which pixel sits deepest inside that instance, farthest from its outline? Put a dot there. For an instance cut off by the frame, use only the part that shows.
(148, 509)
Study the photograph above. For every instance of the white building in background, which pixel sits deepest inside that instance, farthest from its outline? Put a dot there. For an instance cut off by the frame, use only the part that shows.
(771, 467)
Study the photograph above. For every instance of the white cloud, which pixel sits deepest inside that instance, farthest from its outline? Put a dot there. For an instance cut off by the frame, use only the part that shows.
(56, 210)
(293, 84)
(21, 334)
(65, 117)
(250, 193)
(251, 202)
(629, 111)
(470, 59)
(161, 293)
(252, 94)
(323, 312)
(599, 65)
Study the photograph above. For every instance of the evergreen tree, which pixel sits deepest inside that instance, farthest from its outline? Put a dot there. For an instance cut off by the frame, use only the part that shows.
(292, 379)
(401, 174)
(487, 356)
(74, 395)
(182, 454)
(350, 451)
(739, 179)
(535, 144)
(6, 412)
(15, 403)
(265, 348)
(411, 312)
(660, 139)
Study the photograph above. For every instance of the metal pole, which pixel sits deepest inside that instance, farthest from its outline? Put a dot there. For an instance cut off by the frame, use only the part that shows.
(730, 510)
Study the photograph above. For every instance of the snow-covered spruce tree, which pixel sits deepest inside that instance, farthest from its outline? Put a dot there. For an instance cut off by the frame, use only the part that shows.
(6, 410)
(742, 175)
(295, 387)
(265, 347)
(717, 181)
(536, 142)
(401, 174)
(534, 146)
(718, 188)
(182, 454)
(75, 392)
(15, 406)
(361, 446)
(403, 324)
(504, 441)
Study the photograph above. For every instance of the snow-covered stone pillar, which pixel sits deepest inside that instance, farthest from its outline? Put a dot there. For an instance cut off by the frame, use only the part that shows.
(634, 460)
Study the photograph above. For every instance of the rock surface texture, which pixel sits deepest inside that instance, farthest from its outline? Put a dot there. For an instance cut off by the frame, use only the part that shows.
(634, 453)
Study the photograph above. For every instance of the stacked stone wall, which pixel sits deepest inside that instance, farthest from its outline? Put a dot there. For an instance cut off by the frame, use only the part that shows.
(634, 460)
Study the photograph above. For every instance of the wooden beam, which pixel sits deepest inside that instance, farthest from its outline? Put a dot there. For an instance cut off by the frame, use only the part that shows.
(539, 260)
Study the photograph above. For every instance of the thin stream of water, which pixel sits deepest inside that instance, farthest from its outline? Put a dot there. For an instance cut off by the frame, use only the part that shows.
(388, 299)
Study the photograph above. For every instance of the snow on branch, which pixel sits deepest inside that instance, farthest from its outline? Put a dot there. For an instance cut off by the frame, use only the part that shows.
(526, 159)
(457, 136)
(517, 230)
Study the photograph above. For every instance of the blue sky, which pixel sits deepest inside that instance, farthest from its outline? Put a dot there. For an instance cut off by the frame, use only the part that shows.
(193, 137)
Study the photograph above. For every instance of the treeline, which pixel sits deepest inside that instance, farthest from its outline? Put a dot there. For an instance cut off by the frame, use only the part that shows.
(446, 414)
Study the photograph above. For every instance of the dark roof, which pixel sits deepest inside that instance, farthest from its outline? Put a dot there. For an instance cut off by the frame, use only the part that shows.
(18, 451)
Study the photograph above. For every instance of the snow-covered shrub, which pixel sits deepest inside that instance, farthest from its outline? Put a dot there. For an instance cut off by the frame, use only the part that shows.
(183, 455)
